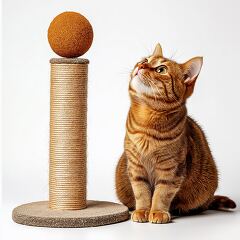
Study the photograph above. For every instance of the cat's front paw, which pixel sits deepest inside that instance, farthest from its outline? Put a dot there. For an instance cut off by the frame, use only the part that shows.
(140, 216)
(159, 217)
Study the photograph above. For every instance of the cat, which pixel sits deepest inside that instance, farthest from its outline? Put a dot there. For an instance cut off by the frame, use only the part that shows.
(167, 167)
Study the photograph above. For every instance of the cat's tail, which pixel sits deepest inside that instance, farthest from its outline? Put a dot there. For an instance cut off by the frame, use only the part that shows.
(221, 202)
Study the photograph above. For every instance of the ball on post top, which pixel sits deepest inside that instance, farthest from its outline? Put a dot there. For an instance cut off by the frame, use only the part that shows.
(70, 34)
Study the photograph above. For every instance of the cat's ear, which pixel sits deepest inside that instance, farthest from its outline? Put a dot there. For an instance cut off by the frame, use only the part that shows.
(191, 69)
(158, 51)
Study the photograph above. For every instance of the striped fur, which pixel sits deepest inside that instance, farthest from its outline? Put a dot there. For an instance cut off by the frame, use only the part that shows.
(167, 165)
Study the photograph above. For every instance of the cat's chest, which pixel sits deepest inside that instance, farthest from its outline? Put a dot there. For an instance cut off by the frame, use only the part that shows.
(149, 149)
(144, 143)
(157, 154)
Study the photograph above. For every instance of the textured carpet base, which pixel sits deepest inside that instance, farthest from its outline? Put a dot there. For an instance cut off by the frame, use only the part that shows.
(69, 61)
(97, 213)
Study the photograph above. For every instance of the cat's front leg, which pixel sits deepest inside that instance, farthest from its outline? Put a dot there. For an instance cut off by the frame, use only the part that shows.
(142, 195)
(142, 192)
(165, 190)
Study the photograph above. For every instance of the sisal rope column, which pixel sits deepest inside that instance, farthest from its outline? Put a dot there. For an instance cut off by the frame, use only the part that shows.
(68, 124)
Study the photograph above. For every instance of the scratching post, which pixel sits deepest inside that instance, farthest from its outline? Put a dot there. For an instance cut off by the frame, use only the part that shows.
(67, 205)
(68, 122)
(70, 35)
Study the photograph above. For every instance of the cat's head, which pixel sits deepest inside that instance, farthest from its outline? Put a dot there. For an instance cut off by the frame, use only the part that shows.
(163, 83)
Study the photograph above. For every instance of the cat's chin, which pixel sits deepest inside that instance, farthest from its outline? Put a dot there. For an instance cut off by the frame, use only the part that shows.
(139, 86)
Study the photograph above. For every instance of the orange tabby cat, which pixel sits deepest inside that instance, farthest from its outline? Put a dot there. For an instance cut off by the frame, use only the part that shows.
(167, 165)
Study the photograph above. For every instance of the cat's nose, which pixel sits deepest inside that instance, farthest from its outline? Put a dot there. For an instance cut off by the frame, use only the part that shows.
(141, 66)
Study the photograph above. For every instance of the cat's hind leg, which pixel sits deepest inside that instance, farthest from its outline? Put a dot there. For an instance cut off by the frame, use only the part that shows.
(123, 185)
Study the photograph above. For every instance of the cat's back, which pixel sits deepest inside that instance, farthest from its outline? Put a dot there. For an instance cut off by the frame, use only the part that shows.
(195, 132)
(199, 154)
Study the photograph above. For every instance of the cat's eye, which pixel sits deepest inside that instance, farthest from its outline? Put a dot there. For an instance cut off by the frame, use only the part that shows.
(161, 69)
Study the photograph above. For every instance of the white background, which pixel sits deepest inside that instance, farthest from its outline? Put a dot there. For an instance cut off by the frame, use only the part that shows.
(124, 31)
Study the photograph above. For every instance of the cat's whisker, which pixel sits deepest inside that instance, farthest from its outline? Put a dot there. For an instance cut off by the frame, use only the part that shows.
(152, 87)
(126, 71)
(173, 55)
(153, 91)
(156, 88)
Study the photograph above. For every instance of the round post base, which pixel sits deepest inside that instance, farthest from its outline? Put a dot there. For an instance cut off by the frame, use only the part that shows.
(97, 213)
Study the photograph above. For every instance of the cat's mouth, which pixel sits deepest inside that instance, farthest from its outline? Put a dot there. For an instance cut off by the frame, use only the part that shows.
(141, 85)
(142, 77)
(140, 74)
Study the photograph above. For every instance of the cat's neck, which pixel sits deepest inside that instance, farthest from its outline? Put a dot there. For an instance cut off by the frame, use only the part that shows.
(149, 117)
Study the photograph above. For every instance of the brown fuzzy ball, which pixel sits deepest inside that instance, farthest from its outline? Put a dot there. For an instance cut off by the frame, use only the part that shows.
(70, 34)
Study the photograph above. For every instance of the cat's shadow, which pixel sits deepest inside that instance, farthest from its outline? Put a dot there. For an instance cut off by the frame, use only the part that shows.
(206, 213)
